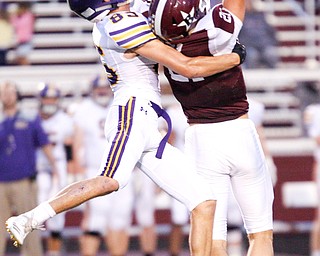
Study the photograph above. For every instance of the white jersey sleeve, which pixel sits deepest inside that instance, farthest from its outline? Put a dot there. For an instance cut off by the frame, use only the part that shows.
(128, 74)
(132, 36)
(223, 29)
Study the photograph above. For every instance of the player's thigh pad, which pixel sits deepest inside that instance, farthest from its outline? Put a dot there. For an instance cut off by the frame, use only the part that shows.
(176, 175)
(231, 152)
(130, 130)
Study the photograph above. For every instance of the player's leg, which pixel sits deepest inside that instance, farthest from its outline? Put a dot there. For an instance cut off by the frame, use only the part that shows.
(94, 224)
(205, 147)
(261, 241)
(260, 231)
(54, 244)
(235, 227)
(176, 239)
(201, 216)
(120, 165)
(148, 240)
(174, 174)
(89, 243)
(112, 214)
(46, 188)
(253, 190)
(119, 221)
(73, 195)
(144, 190)
(55, 240)
(179, 218)
(117, 241)
(56, 225)
(219, 237)
(25, 196)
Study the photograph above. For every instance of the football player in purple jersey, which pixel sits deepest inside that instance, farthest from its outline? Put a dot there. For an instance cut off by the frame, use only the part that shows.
(221, 140)
(59, 129)
(129, 52)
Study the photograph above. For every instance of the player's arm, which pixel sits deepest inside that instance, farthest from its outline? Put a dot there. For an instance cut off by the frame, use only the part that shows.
(201, 66)
(237, 7)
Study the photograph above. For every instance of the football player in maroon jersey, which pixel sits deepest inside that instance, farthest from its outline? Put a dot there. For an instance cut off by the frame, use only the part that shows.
(221, 140)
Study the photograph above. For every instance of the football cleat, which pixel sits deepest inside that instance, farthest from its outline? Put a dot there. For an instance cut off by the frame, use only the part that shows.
(20, 226)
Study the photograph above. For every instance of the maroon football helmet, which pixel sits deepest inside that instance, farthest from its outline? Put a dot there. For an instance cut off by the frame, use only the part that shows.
(173, 19)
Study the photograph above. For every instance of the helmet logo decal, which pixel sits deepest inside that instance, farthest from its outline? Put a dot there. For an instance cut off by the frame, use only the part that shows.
(187, 18)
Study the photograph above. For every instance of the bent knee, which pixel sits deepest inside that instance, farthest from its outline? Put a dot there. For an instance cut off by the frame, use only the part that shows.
(106, 185)
(206, 207)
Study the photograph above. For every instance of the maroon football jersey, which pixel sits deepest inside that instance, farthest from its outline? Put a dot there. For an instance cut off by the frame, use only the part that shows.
(217, 98)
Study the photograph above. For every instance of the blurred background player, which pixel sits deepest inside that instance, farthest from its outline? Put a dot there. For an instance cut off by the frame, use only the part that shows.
(109, 217)
(59, 128)
(144, 191)
(312, 123)
(7, 36)
(21, 134)
(23, 21)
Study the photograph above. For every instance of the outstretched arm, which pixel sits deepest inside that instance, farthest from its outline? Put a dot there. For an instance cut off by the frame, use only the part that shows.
(201, 66)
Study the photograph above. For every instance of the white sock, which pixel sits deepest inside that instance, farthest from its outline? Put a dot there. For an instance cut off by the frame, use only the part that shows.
(41, 213)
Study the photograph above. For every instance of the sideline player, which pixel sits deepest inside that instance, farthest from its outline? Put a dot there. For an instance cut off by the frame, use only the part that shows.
(311, 118)
(222, 142)
(21, 134)
(124, 41)
(59, 128)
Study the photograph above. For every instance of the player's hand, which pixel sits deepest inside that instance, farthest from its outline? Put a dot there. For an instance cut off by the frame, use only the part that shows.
(240, 49)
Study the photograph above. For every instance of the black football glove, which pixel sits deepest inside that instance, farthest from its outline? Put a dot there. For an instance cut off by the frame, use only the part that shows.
(240, 49)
